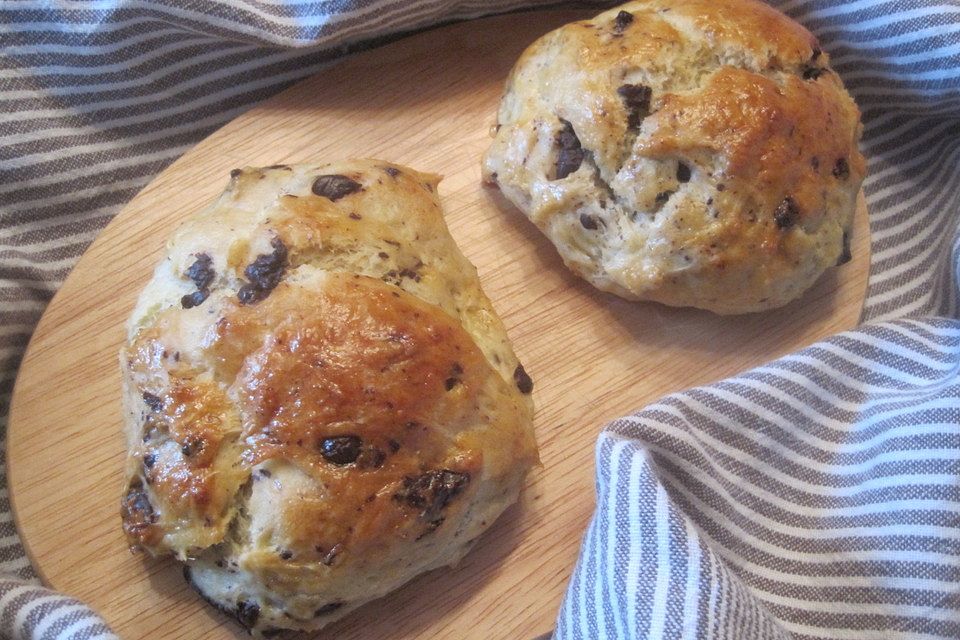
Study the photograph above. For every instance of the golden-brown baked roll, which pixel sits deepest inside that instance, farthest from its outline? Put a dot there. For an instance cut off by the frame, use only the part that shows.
(320, 400)
(697, 153)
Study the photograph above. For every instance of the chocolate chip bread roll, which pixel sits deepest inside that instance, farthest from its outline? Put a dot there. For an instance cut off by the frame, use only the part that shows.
(696, 153)
(320, 400)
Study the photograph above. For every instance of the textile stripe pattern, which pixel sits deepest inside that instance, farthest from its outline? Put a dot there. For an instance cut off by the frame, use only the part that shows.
(814, 497)
(29, 612)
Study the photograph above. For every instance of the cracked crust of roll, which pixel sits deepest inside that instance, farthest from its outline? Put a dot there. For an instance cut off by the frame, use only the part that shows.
(698, 153)
(355, 418)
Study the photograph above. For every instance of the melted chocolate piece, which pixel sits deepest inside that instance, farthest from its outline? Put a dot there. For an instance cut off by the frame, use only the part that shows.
(523, 381)
(264, 273)
(570, 156)
(636, 98)
(841, 170)
(622, 21)
(154, 402)
(431, 492)
(202, 274)
(683, 172)
(341, 449)
(248, 613)
(333, 187)
(787, 213)
(588, 222)
(845, 254)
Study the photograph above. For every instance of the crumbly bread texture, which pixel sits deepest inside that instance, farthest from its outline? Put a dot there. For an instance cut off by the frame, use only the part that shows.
(320, 400)
(694, 152)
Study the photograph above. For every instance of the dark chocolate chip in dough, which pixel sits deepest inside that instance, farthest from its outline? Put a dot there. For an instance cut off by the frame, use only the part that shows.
(154, 402)
(622, 21)
(683, 172)
(523, 381)
(636, 99)
(264, 273)
(335, 186)
(786, 214)
(841, 170)
(248, 613)
(845, 254)
(341, 449)
(570, 155)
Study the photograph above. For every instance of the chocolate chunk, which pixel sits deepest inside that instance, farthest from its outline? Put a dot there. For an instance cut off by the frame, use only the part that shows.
(192, 446)
(286, 554)
(264, 273)
(201, 271)
(202, 274)
(787, 213)
(523, 381)
(845, 254)
(394, 445)
(841, 170)
(341, 449)
(636, 98)
(450, 383)
(622, 21)
(333, 187)
(812, 73)
(194, 299)
(588, 222)
(149, 460)
(570, 155)
(154, 402)
(327, 608)
(235, 172)
(683, 172)
(136, 511)
(393, 172)
(431, 492)
(248, 613)
(662, 198)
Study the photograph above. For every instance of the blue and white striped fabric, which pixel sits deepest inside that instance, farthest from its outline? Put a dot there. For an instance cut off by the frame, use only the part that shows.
(816, 497)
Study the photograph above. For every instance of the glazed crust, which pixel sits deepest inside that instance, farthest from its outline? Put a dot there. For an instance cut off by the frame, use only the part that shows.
(321, 402)
(697, 153)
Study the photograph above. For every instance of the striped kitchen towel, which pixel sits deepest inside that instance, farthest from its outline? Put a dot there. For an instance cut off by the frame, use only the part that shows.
(815, 497)
(30, 612)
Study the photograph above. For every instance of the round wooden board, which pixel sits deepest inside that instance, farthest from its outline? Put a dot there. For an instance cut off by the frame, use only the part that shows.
(427, 101)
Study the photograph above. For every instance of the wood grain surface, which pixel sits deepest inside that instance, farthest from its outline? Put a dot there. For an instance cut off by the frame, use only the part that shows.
(427, 101)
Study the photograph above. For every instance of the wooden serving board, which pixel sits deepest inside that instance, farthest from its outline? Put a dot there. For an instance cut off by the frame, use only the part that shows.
(428, 102)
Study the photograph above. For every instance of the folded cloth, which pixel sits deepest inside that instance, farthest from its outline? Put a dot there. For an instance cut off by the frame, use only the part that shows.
(816, 502)
(815, 497)
(29, 612)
